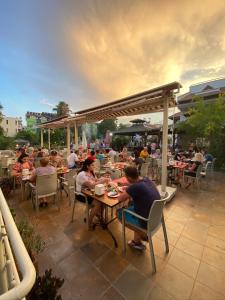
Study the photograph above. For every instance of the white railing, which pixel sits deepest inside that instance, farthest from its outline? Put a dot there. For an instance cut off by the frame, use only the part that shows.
(14, 258)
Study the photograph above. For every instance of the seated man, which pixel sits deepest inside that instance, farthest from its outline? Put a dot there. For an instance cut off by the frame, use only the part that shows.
(72, 160)
(144, 153)
(143, 193)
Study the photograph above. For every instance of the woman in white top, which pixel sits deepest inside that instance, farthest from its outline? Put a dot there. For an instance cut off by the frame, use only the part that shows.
(86, 179)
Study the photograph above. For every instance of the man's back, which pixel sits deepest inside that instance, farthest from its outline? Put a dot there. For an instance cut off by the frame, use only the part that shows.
(143, 193)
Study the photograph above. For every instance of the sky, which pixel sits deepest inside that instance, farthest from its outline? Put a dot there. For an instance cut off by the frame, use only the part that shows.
(89, 52)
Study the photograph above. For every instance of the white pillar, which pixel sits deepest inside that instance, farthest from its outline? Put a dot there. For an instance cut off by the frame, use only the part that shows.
(76, 136)
(164, 146)
(49, 138)
(68, 139)
(42, 140)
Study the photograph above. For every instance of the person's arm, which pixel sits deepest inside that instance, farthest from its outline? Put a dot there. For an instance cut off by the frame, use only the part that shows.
(123, 197)
(192, 168)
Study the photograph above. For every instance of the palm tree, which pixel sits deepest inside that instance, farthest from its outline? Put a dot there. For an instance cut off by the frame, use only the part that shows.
(62, 109)
(1, 117)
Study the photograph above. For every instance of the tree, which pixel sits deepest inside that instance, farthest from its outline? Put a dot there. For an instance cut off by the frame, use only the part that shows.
(109, 124)
(207, 121)
(1, 117)
(62, 109)
(28, 135)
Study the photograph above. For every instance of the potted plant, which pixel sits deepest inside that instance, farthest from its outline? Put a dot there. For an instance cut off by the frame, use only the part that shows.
(46, 287)
(32, 241)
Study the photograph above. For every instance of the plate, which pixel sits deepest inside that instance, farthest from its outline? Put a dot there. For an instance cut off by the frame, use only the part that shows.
(112, 195)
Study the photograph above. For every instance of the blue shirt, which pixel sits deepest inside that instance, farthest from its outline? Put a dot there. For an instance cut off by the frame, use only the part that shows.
(143, 193)
(208, 157)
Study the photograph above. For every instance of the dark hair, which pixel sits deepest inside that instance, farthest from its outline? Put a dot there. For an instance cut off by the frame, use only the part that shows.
(20, 159)
(53, 153)
(92, 152)
(131, 172)
(97, 151)
(107, 151)
(86, 164)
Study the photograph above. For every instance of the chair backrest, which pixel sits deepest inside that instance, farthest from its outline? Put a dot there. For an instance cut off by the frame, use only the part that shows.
(116, 174)
(199, 170)
(70, 177)
(116, 158)
(144, 169)
(155, 215)
(46, 184)
(213, 163)
(112, 158)
(154, 163)
(4, 162)
(208, 167)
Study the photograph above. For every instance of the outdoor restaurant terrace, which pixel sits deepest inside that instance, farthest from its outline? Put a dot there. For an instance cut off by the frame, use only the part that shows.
(183, 250)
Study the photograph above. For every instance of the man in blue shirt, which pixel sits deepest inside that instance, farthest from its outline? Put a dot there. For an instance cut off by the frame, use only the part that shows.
(143, 193)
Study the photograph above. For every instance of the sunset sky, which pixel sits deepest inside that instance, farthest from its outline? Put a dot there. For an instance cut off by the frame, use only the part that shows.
(89, 52)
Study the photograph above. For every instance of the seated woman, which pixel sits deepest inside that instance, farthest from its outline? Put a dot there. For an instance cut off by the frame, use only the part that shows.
(55, 160)
(87, 179)
(193, 167)
(23, 162)
(44, 169)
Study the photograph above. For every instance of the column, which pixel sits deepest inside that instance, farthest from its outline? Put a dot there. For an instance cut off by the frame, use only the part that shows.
(49, 138)
(68, 139)
(164, 146)
(42, 140)
(76, 135)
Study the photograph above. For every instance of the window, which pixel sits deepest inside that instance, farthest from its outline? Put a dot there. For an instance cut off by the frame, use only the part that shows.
(16, 122)
(7, 122)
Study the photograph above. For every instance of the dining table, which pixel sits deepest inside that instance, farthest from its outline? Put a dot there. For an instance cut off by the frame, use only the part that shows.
(108, 203)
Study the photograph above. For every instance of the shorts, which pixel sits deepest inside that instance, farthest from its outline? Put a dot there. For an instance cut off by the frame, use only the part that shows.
(131, 219)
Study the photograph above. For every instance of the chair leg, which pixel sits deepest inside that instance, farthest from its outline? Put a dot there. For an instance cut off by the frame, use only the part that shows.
(152, 254)
(165, 235)
(36, 204)
(87, 214)
(74, 203)
(123, 232)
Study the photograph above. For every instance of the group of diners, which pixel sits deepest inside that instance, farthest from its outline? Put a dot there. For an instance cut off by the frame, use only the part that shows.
(134, 187)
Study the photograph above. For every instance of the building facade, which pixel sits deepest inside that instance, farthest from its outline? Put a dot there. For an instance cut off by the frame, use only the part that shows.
(11, 126)
(209, 91)
(33, 119)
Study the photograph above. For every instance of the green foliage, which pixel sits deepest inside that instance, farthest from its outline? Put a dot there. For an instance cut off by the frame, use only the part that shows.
(28, 135)
(108, 124)
(119, 142)
(33, 241)
(207, 122)
(46, 287)
(6, 142)
(62, 109)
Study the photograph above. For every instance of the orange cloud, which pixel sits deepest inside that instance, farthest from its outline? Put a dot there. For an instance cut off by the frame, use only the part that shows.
(122, 47)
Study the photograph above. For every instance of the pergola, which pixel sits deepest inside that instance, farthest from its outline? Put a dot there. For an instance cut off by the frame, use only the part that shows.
(155, 100)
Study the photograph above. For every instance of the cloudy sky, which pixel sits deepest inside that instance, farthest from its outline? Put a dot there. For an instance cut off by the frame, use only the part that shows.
(88, 52)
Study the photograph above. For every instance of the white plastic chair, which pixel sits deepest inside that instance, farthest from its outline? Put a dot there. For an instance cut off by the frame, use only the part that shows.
(144, 169)
(46, 186)
(154, 221)
(75, 199)
(97, 168)
(197, 178)
(68, 184)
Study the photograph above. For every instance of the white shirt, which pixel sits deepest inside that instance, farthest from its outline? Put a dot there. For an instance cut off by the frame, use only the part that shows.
(81, 178)
(71, 159)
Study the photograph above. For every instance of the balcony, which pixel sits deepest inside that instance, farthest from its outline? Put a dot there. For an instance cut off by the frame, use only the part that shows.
(17, 271)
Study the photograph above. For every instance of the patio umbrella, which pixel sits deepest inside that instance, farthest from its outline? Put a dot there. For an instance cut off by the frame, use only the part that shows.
(84, 139)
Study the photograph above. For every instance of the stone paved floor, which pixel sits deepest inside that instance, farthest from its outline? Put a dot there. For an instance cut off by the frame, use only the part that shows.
(93, 269)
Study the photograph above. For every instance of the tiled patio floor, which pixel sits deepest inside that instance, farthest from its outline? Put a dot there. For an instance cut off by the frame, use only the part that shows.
(93, 269)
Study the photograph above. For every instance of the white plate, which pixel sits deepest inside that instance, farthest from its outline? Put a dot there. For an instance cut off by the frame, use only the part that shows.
(112, 196)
